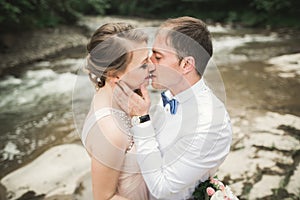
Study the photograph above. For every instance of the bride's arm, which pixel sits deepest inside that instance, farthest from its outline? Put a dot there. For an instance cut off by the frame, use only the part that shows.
(105, 181)
(106, 144)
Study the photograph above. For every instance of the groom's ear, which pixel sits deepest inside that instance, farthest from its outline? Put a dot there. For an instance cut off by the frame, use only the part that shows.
(187, 64)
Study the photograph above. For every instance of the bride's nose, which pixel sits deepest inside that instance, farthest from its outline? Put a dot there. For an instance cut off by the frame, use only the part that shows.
(151, 67)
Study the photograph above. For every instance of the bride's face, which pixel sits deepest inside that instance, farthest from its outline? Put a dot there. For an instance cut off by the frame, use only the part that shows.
(137, 71)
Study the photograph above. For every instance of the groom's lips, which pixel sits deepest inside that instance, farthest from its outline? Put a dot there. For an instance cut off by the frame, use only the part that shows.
(150, 76)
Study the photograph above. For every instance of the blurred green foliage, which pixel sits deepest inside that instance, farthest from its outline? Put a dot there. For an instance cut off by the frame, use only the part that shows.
(25, 14)
(247, 12)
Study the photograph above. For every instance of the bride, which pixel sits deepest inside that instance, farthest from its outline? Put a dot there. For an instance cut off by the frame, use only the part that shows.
(117, 52)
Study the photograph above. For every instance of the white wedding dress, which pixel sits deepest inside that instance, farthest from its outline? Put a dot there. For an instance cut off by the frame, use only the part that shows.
(131, 183)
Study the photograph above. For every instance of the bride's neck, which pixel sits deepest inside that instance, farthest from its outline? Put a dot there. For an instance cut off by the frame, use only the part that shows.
(108, 93)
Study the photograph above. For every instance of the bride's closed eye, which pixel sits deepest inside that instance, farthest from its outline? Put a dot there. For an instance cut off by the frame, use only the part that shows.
(144, 66)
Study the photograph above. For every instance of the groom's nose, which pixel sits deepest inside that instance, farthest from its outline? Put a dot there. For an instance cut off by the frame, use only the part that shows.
(151, 67)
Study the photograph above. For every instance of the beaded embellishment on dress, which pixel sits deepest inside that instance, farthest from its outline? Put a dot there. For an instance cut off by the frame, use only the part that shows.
(127, 123)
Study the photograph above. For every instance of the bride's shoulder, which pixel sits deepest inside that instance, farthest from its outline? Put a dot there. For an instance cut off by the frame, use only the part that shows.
(107, 125)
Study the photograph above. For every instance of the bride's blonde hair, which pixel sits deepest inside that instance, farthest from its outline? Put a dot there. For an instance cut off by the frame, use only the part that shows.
(109, 50)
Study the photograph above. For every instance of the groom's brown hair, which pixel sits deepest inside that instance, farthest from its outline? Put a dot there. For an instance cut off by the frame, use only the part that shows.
(196, 30)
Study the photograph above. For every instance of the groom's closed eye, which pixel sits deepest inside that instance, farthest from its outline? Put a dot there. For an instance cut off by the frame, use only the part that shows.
(157, 56)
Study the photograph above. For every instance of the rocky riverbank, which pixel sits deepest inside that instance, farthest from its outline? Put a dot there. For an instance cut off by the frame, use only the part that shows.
(262, 99)
(24, 48)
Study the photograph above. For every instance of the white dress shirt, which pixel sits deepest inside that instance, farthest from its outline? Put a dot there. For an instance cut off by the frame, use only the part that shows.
(176, 152)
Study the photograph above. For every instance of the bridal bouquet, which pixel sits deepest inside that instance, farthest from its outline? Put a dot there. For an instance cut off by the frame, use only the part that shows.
(213, 189)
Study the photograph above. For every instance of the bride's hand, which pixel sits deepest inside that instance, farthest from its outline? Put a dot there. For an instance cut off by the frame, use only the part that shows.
(132, 103)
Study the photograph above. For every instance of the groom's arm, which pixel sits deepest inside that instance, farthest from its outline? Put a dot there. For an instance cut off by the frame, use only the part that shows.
(185, 163)
(191, 158)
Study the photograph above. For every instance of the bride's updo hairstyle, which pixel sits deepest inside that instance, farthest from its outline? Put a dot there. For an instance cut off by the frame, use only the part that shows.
(110, 50)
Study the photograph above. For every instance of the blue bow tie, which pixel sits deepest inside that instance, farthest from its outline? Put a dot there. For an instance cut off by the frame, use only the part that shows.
(173, 103)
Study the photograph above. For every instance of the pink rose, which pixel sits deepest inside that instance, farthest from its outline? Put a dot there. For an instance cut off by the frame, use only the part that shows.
(210, 191)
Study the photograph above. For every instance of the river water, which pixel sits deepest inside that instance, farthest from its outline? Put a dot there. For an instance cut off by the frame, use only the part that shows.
(36, 102)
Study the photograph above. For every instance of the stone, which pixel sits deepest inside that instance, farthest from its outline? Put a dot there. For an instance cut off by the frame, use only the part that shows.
(238, 165)
(264, 187)
(33, 48)
(263, 163)
(294, 184)
(275, 156)
(237, 188)
(85, 189)
(271, 141)
(287, 65)
(55, 172)
(271, 121)
(277, 170)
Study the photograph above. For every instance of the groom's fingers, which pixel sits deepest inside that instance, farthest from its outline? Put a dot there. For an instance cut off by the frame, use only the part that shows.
(121, 98)
(118, 90)
(127, 97)
(145, 93)
(133, 98)
(129, 101)
(125, 88)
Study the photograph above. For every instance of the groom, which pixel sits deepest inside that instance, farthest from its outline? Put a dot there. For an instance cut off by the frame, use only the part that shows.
(182, 142)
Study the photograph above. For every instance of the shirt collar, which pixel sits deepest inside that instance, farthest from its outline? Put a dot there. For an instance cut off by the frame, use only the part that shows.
(190, 92)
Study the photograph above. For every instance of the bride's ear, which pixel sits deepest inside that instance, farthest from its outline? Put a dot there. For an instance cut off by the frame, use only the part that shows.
(187, 64)
(113, 77)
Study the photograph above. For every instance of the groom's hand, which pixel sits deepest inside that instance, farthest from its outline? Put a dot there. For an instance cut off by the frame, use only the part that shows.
(132, 103)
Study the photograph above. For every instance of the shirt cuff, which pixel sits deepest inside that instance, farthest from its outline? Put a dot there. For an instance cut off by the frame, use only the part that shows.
(143, 130)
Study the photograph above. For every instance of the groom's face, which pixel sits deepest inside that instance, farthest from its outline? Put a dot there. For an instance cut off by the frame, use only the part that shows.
(167, 74)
